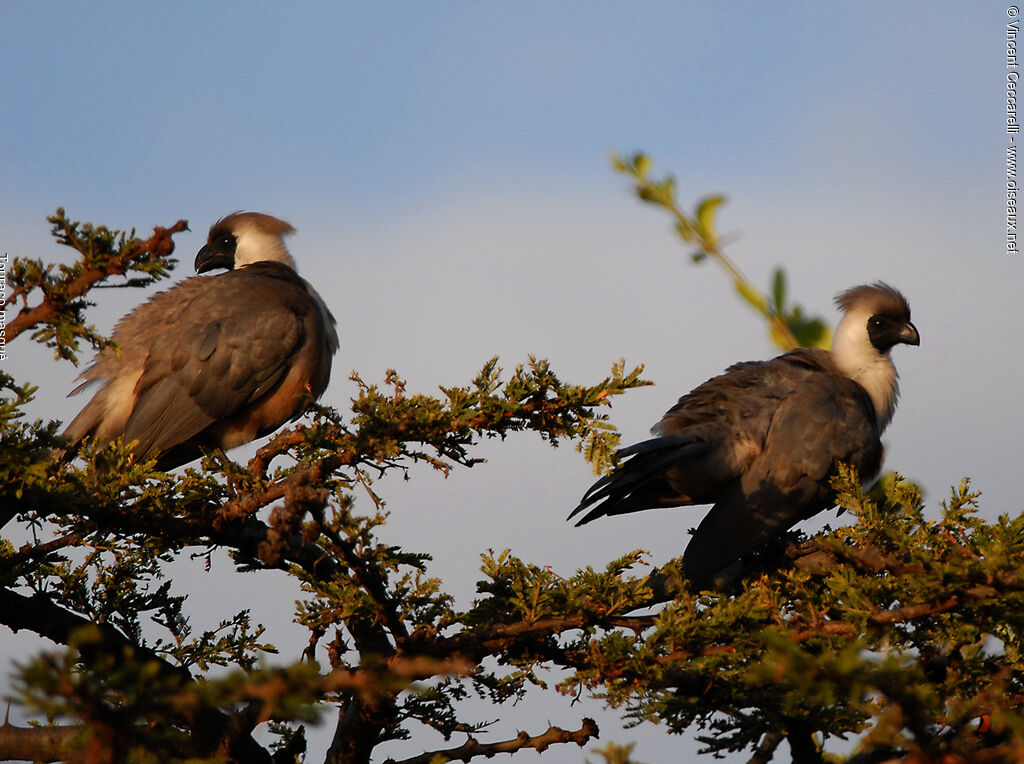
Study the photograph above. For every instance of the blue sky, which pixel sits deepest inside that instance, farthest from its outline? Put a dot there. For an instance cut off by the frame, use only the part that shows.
(357, 106)
(446, 166)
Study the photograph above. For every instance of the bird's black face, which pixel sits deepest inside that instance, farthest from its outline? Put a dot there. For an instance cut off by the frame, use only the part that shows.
(219, 252)
(885, 332)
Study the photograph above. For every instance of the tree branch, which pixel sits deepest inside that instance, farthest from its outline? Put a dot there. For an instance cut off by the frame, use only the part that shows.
(370, 580)
(766, 749)
(482, 642)
(540, 743)
(160, 244)
(38, 743)
(212, 727)
(802, 745)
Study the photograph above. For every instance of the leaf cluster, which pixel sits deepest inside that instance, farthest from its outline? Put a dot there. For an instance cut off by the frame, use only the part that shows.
(59, 290)
(899, 629)
(788, 325)
(134, 679)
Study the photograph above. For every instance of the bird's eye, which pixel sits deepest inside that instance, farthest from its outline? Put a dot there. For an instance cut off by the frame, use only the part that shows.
(876, 323)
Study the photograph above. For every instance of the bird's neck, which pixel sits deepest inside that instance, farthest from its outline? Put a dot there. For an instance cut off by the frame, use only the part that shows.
(859, 360)
(256, 246)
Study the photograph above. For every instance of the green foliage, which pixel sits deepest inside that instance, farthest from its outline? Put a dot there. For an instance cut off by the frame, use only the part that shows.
(24, 448)
(532, 399)
(897, 625)
(133, 673)
(788, 326)
(615, 754)
(58, 318)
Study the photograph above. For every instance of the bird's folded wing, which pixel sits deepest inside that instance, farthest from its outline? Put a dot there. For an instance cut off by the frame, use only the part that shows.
(220, 348)
(827, 420)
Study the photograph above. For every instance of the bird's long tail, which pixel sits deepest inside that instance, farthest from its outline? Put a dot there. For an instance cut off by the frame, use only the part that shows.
(628, 487)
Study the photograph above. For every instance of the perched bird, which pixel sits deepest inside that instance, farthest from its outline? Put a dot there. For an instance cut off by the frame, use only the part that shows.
(761, 441)
(216, 361)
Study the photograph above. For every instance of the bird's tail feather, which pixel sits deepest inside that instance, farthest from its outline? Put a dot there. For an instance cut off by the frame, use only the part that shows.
(619, 492)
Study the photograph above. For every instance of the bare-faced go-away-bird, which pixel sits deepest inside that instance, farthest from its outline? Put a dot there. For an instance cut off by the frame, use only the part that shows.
(216, 361)
(762, 441)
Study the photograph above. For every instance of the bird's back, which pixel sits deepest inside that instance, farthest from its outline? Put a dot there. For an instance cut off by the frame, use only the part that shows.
(758, 441)
(192, 358)
(812, 419)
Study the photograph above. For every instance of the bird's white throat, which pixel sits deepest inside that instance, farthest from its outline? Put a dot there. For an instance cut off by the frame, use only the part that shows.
(859, 360)
(256, 246)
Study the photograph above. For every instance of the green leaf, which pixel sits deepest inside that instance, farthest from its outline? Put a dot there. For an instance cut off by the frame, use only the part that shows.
(779, 289)
(752, 296)
(812, 334)
(686, 231)
(706, 211)
(641, 164)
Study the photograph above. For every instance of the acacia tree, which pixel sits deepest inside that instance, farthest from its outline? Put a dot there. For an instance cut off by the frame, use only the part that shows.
(901, 631)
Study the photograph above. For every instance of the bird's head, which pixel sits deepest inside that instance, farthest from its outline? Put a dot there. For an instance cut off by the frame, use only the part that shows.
(876, 318)
(244, 238)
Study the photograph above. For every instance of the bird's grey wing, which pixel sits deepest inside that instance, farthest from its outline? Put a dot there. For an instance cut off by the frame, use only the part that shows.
(120, 367)
(704, 442)
(828, 419)
(222, 348)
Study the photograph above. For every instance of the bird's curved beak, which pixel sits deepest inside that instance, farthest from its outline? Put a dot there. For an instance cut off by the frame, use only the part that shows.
(208, 259)
(908, 335)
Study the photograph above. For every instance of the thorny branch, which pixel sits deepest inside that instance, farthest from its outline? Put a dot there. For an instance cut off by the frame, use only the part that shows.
(540, 743)
(160, 244)
(40, 615)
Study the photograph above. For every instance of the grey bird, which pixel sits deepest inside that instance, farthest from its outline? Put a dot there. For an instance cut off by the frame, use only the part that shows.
(761, 441)
(216, 361)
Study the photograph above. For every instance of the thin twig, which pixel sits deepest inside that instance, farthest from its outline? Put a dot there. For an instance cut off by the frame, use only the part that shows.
(472, 748)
